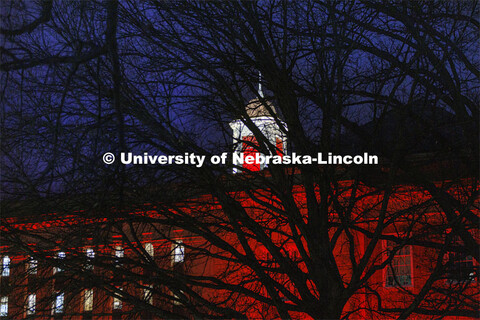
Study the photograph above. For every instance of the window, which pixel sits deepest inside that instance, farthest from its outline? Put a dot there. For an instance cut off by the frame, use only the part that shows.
(88, 300)
(178, 250)
(148, 294)
(176, 299)
(60, 256)
(117, 303)
(399, 271)
(32, 266)
(90, 256)
(250, 149)
(149, 249)
(31, 303)
(4, 306)
(119, 254)
(5, 266)
(460, 268)
(58, 303)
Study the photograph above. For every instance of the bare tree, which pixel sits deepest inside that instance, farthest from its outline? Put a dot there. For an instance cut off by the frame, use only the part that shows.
(337, 241)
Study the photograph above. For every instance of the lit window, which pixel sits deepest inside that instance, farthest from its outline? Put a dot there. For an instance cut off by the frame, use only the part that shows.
(399, 271)
(119, 254)
(176, 299)
(3, 306)
(90, 256)
(461, 268)
(88, 300)
(60, 256)
(32, 266)
(148, 294)
(5, 266)
(58, 303)
(178, 251)
(117, 303)
(149, 249)
(31, 303)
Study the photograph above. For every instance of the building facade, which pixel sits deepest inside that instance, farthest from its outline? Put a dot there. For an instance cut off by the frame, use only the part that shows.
(134, 267)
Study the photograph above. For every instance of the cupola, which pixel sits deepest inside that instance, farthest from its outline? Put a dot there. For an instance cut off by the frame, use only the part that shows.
(263, 115)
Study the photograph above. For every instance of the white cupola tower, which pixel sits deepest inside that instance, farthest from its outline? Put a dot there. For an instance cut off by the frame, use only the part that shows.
(265, 119)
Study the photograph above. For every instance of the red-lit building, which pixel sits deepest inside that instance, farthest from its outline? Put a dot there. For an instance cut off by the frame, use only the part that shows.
(33, 288)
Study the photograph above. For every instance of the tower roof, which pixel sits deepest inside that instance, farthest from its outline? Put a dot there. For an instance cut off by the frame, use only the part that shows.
(255, 108)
